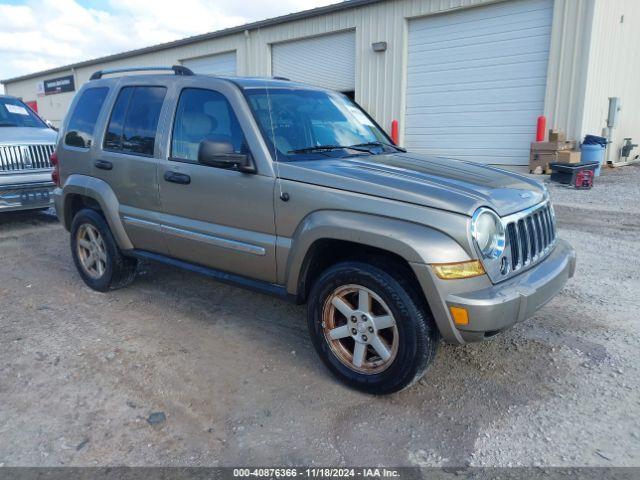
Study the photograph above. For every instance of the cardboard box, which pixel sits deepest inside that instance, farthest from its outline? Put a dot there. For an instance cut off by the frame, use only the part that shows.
(542, 160)
(557, 136)
(544, 153)
(553, 146)
(569, 156)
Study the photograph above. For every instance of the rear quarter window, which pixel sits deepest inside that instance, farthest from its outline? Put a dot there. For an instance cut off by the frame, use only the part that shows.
(82, 122)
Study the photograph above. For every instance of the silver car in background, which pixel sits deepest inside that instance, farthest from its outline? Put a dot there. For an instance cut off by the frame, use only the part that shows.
(26, 143)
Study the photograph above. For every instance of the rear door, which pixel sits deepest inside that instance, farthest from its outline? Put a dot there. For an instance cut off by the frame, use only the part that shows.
(128, 161)
(76, 148)
(215, 217)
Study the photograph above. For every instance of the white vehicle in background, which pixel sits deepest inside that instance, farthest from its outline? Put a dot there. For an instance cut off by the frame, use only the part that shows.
(26, 143)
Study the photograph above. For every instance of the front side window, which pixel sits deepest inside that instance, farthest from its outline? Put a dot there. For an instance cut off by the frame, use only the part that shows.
(134, 120)
(309, 124)
(204, 115)
(84, 117)
(14, 113)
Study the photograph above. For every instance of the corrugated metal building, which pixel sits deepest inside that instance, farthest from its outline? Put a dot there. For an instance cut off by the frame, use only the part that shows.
(464, 78)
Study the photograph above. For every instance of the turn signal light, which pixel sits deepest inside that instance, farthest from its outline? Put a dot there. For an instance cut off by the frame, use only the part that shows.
(460, 315)
(454, 271)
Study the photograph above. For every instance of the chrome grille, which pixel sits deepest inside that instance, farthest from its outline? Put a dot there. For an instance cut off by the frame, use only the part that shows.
(530, 235)
(25, 157)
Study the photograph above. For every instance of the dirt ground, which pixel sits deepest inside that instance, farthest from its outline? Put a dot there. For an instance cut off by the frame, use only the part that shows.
(180, 370)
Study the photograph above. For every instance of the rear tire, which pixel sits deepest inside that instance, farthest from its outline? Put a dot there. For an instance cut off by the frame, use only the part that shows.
(98, 259)
(370, 327)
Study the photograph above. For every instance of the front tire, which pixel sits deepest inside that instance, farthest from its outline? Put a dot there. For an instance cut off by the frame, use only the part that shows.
(96, 255)
(370, 327)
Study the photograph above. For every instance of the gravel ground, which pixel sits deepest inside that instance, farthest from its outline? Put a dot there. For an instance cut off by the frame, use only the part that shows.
(180, 370)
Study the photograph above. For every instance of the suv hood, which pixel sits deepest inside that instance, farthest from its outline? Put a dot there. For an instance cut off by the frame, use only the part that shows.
(26, 135)
(436, 182)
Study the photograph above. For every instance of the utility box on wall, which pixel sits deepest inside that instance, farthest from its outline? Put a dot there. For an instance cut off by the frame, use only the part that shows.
(614, 112)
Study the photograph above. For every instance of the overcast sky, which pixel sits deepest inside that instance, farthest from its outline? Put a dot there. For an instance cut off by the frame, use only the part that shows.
(40, 34)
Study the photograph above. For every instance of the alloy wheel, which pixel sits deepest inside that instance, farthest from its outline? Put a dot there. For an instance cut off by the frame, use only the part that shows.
(360, 329)
(91, 251)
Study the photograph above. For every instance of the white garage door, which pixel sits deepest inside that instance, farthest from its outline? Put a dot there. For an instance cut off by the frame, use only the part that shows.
(327, 61)
(476, 81)
(219, 64)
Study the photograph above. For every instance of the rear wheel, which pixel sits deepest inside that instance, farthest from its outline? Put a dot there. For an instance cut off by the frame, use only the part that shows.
(370, 327)
(96, 254)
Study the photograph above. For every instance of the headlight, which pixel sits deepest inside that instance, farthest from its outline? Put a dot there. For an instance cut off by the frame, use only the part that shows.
(488, 233)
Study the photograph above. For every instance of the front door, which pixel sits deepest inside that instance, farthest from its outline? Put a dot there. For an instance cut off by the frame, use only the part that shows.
(212, 216)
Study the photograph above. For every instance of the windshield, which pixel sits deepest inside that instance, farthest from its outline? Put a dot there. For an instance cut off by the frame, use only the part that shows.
(310, 125)
(14, 113)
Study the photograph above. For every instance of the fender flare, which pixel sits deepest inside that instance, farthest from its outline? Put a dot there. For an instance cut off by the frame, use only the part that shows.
(415, 243)
(101, 192)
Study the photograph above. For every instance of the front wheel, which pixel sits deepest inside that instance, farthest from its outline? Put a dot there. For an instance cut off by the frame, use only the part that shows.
(370, 327)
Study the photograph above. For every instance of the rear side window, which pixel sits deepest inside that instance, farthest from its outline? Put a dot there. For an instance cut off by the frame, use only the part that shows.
(113, 138)
(134, 120)
(83, 119)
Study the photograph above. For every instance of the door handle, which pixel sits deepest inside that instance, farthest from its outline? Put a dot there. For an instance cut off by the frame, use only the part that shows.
(103, 165)
(175, 177)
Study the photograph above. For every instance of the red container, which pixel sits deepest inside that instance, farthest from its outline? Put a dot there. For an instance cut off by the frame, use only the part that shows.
(395, 132)
(542, 128)
(584, 179)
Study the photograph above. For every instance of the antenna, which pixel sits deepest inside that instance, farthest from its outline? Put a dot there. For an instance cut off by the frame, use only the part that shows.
(273, 141)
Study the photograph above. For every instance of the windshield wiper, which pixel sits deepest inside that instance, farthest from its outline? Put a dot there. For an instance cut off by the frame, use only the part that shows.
(8, 124)
(326, 148)
(360, 147)
(377, 144)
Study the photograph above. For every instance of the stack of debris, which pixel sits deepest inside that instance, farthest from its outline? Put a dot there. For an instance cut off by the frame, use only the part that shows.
(556, 150)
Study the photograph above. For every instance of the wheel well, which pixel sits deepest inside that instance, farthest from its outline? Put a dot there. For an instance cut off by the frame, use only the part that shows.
(76, 202)
(327, 252)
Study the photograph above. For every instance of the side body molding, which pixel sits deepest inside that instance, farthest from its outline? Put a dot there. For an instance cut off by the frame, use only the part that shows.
(101, 192)
(414, 242)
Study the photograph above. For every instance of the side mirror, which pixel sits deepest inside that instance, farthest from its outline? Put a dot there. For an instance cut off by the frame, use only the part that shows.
(221, 155)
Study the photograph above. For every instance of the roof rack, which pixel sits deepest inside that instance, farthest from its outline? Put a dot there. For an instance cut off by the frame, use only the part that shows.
(177, 69)
(282, 78)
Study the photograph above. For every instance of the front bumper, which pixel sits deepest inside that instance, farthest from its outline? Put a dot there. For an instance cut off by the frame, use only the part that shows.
(494, 308)
(26, 196)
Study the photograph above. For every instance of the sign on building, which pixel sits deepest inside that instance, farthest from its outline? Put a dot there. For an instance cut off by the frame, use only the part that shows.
(59, 85)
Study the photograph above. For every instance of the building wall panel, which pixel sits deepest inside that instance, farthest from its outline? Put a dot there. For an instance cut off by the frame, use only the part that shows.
(614, 71)
(568, 60)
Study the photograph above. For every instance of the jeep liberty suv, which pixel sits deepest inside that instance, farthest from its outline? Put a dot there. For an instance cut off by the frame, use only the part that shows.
(295, 191)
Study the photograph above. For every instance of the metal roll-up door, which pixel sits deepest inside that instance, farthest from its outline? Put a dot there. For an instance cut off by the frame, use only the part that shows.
(327, 61)
(223, 64)
(476, 81)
